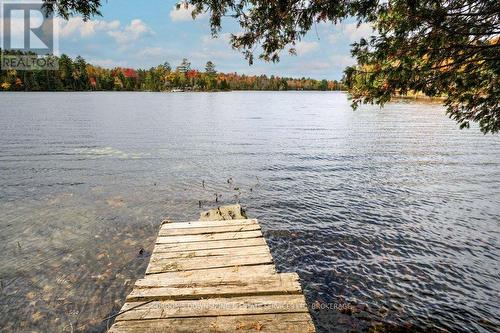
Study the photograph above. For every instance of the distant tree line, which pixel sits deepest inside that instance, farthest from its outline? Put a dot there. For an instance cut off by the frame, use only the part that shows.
(78, 75)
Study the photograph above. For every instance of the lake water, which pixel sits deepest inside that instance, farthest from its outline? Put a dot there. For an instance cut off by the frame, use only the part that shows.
(393, 211)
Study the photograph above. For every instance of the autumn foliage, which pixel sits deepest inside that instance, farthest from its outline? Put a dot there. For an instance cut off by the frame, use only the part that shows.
(78, 75)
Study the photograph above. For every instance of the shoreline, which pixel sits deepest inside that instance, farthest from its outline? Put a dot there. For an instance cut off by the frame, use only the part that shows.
(163, 91)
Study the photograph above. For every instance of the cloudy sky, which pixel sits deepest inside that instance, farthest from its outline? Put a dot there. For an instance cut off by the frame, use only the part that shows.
(141, 35)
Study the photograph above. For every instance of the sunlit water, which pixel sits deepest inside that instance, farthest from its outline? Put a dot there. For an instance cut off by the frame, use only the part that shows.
(394, 211)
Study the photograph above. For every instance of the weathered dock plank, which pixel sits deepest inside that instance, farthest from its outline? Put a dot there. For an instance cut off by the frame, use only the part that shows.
(232, 251)
(213, 273)
(169, 265)
(267, 304)
(204, 224)
(208, 230)
(213, 276)
(264, 323)
(231, 243)
(208, 237)
(286, 283)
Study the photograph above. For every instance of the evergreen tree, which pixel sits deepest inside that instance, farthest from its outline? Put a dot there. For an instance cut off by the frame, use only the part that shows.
(185, 66)
(82, 78)
(66, 72)
(210, 69)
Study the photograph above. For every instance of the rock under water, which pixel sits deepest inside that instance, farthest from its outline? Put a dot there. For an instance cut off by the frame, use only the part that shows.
(228, 212)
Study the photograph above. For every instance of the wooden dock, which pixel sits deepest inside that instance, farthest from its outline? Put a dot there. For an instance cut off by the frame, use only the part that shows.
(213, 276)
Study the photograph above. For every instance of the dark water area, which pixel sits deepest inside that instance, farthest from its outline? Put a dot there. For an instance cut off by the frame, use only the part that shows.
(392, 211)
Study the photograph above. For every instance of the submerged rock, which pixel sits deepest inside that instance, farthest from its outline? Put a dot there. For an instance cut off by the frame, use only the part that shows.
(115, 202)
(229, 212)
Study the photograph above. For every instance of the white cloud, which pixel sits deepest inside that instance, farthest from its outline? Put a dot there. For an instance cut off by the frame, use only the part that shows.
(215, 49)
(184, 14)
(342, 61)
(16, 23)
(304, 47)
(313, 66)
(152, 52)
(108, 63)
(156, 55)
(76, 26)
(217, 56)
(334, 63)
(351, 32)
(334, 38)
(131, 32)
(354, 32)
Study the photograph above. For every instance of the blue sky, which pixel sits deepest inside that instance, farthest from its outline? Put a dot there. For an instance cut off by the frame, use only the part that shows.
(143, 34)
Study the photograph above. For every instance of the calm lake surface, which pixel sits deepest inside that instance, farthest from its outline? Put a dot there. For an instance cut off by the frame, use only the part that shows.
(393, 211)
